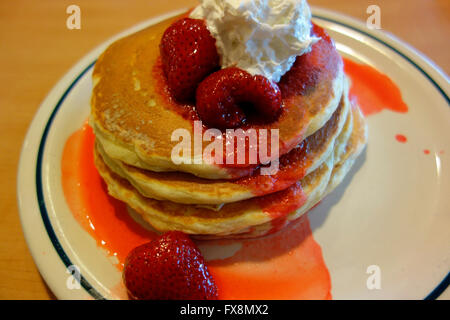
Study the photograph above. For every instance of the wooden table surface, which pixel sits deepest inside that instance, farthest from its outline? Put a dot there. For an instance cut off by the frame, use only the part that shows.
(37, 49)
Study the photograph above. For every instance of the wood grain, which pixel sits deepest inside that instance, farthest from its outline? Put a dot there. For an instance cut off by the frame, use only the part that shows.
(37, 49)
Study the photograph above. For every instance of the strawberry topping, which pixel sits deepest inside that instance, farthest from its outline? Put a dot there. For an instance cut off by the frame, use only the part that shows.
(189, 54)
(168, 268)
(305, 74)
(231, 96)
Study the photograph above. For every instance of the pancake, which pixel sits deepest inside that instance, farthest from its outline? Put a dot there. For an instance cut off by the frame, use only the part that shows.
(188, 189)
(247, 218)
(348, 154)
(341, 141)
(352, 150)
(232, 218)
(133, 116)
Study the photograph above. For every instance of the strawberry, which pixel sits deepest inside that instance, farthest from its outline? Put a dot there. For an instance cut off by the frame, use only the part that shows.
(170, 267)
(308, 68)
(189, 54)
(226, 98)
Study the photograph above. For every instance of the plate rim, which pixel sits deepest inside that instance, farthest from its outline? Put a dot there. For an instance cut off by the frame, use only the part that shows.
(66, 84)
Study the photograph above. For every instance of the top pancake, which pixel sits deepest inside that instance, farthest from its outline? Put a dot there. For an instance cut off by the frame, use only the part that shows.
(134, 117)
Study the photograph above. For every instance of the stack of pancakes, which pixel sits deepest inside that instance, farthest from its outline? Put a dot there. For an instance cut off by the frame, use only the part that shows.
(133, 116)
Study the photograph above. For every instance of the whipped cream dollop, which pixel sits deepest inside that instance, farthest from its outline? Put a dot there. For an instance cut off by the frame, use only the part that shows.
(262, 37)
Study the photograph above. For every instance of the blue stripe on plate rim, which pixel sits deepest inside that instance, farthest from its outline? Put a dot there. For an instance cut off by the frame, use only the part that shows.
(39, 188)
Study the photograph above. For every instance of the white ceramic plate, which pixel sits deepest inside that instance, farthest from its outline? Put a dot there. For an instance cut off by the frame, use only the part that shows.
(394, 214)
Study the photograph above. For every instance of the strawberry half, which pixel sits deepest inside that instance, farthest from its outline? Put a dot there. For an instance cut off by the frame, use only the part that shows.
(189, 54)
(168, 268)
(229, 97)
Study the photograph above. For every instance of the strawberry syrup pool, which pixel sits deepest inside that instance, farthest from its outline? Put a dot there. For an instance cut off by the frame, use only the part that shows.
(284, 265)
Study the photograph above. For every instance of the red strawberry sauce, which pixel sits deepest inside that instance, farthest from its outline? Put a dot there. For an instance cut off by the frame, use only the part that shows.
(376, 93)
(284, 265)
(401, 138)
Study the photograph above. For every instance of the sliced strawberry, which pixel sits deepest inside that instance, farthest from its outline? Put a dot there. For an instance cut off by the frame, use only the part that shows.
(308, 68)
(168, 268)
(189, 54)
(229, 97)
